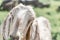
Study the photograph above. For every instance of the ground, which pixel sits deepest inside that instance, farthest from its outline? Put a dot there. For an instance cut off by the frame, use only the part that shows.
(50, 13)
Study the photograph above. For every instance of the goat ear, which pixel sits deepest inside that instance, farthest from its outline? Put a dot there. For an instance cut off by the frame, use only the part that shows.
(33, 30)
(40, 31)
(44, 28)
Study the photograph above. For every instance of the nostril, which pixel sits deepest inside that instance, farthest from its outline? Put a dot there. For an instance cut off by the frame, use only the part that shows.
(10, 35)
(14, 37)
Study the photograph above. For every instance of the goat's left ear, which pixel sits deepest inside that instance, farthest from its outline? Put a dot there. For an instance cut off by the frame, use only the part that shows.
(47, 24)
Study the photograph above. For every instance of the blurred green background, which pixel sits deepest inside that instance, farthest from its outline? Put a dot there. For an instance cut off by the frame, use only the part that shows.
(49, 13)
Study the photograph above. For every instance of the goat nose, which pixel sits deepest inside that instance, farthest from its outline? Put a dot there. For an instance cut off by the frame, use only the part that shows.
(14, 37)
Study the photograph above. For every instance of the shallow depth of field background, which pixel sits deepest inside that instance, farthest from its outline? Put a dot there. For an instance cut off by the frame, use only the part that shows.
(50, 13)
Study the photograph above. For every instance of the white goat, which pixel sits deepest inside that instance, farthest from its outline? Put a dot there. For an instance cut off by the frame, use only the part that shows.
(18, 22)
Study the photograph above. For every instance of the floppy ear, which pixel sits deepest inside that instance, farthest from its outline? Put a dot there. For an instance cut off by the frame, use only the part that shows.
(33, 30)
(44, 29)
(5, 26)
(40, 29)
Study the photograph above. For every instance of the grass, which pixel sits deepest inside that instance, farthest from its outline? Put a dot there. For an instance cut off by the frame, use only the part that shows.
(3, 14)
(50, 13)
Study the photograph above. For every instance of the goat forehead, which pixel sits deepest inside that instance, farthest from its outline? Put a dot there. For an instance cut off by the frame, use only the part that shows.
(21, 13)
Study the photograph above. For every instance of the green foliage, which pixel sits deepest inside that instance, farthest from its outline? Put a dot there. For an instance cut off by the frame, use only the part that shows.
(3, 15)
(56, 0)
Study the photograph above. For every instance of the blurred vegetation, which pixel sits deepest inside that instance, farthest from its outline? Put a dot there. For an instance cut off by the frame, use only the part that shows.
(50, 13)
